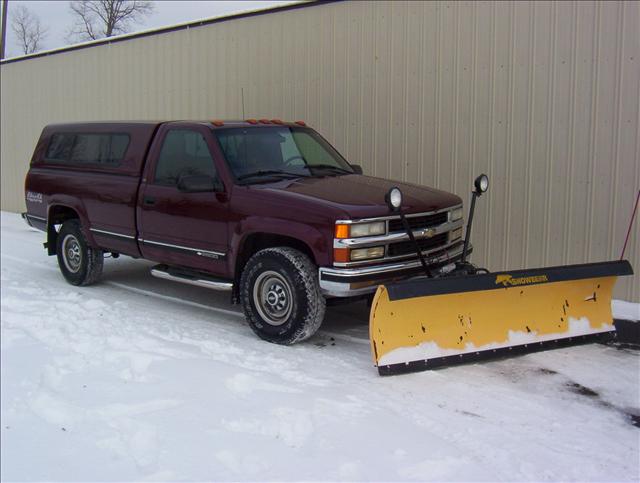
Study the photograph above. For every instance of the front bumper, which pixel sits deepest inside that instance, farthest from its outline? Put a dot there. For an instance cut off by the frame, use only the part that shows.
(350, 282)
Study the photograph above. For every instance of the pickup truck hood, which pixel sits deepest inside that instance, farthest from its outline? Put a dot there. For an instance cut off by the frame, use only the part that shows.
(363, 196)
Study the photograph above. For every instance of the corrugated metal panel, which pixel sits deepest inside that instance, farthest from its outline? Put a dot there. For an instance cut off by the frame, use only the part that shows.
(543, 96)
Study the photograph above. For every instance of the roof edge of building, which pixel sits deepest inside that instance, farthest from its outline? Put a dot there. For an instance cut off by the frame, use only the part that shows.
(168, 29)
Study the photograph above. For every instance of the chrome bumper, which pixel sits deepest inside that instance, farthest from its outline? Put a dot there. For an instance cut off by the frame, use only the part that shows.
(349, 282)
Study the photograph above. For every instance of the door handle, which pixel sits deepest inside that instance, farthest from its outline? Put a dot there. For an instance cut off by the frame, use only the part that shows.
(148, 200)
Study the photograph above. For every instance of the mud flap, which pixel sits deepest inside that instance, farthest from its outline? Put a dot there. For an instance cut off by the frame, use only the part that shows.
(427, 323)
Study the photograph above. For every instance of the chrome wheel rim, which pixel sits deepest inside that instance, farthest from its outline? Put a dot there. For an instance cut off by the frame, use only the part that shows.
(71, 253)
(272, 296)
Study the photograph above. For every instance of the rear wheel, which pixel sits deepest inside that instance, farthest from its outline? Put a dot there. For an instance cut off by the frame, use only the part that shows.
(79, 263)
(281, 296)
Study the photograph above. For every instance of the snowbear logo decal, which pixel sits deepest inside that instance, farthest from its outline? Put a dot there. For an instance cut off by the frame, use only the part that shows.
(508, 280)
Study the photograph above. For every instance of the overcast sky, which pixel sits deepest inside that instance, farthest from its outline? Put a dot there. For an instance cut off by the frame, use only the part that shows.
(57, 17)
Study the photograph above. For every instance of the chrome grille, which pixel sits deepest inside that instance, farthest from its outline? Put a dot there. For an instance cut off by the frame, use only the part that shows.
(418, 222)
(407, 247)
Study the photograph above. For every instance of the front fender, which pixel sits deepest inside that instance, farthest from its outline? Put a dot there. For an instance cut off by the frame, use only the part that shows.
(318, 242)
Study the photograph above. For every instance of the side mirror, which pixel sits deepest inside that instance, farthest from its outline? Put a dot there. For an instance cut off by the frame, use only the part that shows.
(198, 183)
(357, 169)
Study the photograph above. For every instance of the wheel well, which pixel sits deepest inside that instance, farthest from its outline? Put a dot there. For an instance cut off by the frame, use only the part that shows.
(259, 241)
(58, 214)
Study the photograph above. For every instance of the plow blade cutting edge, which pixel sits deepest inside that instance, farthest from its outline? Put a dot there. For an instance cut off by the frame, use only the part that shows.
(427, 323)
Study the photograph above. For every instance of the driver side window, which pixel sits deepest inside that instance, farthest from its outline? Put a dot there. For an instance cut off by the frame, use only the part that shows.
(184, 152)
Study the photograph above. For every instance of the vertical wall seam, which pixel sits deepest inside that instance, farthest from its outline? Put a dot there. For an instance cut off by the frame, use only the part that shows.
(474, 82)
(375, 101)
(421, 90)
(405, 131)
(616, 130)
(492, 87)
(389, 97)
(572, 136)
(361, 93)
(456, 95)
(593, 128)
(509, 150)
(334, 60)
(550, 135)
(437, 113)
(346, 123)
(531, 123)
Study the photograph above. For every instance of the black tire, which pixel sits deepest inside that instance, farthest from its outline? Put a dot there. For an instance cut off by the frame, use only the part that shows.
(271, 276)
(79, 263)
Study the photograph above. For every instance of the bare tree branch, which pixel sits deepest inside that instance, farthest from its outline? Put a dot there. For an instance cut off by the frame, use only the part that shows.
(96, 19)
(28, 29)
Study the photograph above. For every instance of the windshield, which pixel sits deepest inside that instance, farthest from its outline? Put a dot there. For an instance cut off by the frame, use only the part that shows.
(264, 153)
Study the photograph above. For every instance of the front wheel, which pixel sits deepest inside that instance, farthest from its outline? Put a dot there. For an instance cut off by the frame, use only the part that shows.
(281, 295)
(79, 263)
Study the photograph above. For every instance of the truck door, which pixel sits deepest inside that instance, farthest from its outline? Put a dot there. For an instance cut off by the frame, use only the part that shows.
(179, 225)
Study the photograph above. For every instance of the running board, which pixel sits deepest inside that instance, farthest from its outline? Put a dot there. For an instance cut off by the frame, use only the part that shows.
(191, 278)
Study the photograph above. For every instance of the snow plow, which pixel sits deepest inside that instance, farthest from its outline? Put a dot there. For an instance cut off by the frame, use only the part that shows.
(469, 314)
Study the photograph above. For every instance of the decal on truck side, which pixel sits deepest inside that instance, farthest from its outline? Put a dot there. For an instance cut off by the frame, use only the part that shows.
(34, 197)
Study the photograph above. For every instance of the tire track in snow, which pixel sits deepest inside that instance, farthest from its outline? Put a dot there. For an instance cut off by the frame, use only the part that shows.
(189, 303)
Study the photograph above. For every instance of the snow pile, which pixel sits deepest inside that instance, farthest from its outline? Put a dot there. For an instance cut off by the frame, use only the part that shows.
(139, 379)
(625, 310)
(431, 350)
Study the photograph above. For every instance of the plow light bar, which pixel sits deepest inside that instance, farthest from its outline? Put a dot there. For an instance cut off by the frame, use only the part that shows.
(394, 199)
(481, 183)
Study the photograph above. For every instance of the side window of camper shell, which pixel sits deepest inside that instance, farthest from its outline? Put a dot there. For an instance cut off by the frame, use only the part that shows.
(87, 148)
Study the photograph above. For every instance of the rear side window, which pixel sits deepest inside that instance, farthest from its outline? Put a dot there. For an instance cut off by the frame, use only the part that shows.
(183, 153)
(87, 148)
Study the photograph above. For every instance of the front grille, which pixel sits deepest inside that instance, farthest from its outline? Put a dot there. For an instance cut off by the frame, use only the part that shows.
(418, 222)
(407, 247)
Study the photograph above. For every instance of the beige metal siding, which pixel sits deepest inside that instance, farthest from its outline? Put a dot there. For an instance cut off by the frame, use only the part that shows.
(542, 96)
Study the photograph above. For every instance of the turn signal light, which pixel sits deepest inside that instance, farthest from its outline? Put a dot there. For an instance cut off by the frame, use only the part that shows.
(217, 123)
(252, 121)
(341, 255)
(301, 123)
(276, 121)
(342, 231)
(265, 121)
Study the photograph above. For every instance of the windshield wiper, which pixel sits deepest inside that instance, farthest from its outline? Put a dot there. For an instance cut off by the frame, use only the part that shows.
(330, 167)
(271, 173)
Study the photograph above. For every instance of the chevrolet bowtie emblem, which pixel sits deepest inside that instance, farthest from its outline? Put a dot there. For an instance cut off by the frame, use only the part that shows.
(427, 232)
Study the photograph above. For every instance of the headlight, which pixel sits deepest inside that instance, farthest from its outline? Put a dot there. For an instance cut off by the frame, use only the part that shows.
(456, 214)
(367, 253)
(367, 229)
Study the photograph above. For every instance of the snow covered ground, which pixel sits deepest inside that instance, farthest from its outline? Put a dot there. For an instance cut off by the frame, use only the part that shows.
(142, 379)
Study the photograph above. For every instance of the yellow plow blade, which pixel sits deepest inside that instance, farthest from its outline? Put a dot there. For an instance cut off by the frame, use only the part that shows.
(433, 322)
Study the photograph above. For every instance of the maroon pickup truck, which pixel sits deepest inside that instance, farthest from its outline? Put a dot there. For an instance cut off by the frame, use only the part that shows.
(267, 210)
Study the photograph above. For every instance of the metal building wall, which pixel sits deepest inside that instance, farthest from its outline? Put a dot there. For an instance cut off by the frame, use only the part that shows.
(542, 96)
